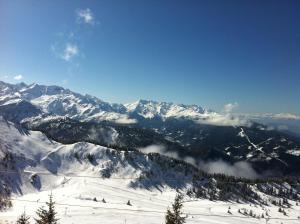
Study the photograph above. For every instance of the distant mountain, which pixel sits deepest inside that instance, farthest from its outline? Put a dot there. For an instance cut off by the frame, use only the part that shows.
(187, 132)
(55, 100)
(151, 109)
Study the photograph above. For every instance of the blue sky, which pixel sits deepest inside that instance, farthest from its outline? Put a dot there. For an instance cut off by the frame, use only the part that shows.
(208, 53)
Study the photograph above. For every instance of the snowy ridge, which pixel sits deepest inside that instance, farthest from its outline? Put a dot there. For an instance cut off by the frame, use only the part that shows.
(150, 109)
(63, 102)
(34, 152)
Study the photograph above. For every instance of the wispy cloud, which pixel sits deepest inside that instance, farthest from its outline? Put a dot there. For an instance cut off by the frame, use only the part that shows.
(18, 77)
(286, 116)
(70, 51)
(273, 116)
(227, 119)
(238, 169)
(85, 16)
(66, 45)
(230, 107)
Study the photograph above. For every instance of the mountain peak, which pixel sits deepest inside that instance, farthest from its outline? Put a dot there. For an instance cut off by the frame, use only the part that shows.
(151, 109)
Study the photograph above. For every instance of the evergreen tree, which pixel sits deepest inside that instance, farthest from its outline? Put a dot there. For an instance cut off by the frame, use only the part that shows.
(47, 216)
(5, 201)
(251, 213)
(284, 212)
(23, 219)
(175, 216)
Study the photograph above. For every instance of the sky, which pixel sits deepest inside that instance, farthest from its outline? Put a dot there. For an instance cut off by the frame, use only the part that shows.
(209, 53)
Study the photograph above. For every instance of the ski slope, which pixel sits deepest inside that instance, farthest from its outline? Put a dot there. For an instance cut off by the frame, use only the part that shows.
(75, 204)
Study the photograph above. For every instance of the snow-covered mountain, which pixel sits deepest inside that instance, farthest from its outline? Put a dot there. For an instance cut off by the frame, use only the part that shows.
(22, 101)
(151, 109)
(32, 151)
(48, 143)
(56, 100)
(185, 130)
(81, 175)
(39, 100)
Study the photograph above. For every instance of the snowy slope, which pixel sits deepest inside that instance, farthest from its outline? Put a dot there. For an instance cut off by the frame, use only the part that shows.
(81, 172)
(76, 205)
(33, 152)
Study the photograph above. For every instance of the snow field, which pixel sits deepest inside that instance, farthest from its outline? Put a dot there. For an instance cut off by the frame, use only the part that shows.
(75, 204)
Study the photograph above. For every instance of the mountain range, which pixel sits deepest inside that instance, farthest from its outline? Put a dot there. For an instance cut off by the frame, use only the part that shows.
(83, 149)
(187, 132)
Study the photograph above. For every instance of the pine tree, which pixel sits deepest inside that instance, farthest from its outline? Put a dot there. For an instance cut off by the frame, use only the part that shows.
(23, 219)
(284, 212)
(251, 213)
(47, 216)
(5, 201)
(175, 216)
